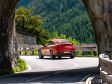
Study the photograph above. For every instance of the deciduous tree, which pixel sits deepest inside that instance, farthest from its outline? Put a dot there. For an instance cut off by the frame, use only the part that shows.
(8, 58)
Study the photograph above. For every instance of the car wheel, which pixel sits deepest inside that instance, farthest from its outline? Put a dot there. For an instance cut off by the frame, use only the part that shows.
(51, 55)
(72, 57)
(40, 54)
(59, 57)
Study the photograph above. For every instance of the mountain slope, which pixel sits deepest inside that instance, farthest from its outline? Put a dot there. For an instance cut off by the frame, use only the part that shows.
(64, 16)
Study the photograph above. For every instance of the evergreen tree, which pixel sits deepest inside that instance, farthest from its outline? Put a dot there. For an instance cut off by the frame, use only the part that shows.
(67, 17)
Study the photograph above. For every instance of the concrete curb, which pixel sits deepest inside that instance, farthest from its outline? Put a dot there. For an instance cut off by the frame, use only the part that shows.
(88, 81)
(94, 79)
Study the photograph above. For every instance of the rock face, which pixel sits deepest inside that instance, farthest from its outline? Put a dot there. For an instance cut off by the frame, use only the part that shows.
(7, 34)
(100, 12)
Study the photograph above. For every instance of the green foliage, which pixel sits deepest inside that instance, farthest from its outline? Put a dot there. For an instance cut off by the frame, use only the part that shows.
(33, 25)
(74, 41)
(36, 52)
(78, 53)
(62, 36)
(68, 17)
(21, 66)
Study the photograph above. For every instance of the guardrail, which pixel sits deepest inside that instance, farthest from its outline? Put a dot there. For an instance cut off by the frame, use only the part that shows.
(27, 49)
(105, 69)
(30, 52)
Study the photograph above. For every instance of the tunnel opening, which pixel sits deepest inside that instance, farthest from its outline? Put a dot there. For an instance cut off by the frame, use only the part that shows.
(66, 19)
(99, 11)
(73, 21)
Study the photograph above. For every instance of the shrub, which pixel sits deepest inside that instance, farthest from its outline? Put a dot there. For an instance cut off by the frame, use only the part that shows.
(36, 52)
(21, 66)
(78, 53)
(90, 53)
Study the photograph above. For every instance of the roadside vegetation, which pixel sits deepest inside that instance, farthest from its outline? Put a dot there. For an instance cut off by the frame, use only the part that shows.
(21, 66)
(63, 36)
(31, 24)
(80, 53)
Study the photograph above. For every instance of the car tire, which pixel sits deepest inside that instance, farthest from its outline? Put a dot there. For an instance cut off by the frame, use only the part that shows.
(51, 55)
(59, 57)
(40, 55)
(72, 56)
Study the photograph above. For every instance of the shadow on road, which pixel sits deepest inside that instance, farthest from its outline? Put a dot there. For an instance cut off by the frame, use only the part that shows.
(60, 76)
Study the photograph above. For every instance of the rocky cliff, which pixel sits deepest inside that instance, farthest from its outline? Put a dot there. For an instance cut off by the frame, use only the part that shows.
(100, 12)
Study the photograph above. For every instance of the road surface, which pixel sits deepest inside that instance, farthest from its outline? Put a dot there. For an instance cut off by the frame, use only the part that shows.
(54, 71)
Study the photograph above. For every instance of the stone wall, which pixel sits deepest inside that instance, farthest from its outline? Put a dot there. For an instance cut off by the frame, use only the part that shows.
(23, 38)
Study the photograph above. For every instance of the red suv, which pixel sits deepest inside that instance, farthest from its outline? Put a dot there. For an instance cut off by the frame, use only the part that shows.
(57, 47)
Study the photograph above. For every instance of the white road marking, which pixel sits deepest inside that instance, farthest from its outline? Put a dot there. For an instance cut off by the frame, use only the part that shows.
(88, 81)
(38, 78)
(86, 77)
(57, 72)
(47, 75)
(43, 76)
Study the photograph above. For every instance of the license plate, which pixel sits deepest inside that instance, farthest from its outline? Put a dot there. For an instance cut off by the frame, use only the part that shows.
(66, 52)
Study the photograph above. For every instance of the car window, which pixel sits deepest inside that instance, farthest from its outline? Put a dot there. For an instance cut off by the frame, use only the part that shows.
(64, 42)
(51, 43)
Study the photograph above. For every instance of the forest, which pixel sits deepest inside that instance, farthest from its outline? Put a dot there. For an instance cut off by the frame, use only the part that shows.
(68, 17)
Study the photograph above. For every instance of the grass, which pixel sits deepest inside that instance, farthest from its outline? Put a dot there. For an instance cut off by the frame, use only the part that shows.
(21, 66)
(86, 54)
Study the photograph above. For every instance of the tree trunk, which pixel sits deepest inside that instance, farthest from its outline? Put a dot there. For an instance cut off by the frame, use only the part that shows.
(100, 12)
(8, 58)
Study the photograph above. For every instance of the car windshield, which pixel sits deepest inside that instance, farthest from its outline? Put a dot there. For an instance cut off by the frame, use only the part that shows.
(64, 42)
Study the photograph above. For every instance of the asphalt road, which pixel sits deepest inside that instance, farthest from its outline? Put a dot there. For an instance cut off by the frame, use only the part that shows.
(56, 71)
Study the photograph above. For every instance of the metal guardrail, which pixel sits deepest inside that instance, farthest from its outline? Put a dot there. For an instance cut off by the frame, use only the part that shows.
(30, 52)
(105, 69)
(25, 49)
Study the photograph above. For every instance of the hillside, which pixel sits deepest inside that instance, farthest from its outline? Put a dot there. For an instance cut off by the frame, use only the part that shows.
(65, 17)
